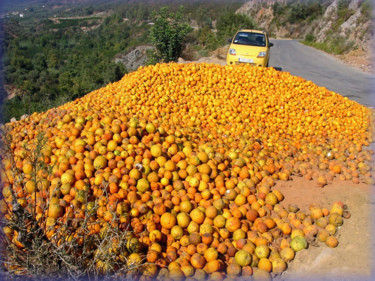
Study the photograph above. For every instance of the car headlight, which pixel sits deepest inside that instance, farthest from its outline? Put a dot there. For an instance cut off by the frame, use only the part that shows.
(261, 54)
(232, 52)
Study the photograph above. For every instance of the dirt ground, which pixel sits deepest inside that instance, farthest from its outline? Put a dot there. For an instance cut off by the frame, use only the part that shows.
(359, 59)
(352, 259)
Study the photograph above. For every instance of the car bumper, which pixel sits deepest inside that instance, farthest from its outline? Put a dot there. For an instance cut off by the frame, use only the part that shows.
(234, 60)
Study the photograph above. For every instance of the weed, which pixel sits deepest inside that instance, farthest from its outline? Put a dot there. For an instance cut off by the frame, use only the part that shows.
(35, 246)
(334, 45)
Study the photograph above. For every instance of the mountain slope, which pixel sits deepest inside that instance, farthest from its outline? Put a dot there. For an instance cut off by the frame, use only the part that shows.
(340, 25)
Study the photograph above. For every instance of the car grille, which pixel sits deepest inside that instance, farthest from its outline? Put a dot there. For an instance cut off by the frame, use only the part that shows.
(237, 62)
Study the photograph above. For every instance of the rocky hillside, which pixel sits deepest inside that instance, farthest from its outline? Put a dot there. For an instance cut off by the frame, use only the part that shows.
(135, 58)
(346, 25)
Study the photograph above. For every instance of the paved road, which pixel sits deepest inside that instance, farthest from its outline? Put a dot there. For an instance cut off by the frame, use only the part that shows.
(324, 70)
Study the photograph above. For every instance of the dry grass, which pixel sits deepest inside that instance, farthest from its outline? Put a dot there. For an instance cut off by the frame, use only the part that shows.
(72, 252)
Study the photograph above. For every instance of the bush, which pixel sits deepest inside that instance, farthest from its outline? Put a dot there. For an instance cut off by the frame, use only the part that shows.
(310, 37)
(168, 34)
(34, 248)
(298, 12)
(278, 9)
(229, 23)
(335, 45)
(208, 38)
(367, 10)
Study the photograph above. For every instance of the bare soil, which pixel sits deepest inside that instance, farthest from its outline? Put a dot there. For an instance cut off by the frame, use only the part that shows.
(98, 14)
(359, 59)
(352, 259)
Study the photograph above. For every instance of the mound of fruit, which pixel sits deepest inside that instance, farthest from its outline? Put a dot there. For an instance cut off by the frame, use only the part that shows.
(184, 157)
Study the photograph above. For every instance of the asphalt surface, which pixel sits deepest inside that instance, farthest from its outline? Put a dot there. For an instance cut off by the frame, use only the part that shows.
(324, 70)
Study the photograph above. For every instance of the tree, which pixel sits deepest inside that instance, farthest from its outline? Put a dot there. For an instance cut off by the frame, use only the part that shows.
(229, 23)
(298, 12)
(168, 34)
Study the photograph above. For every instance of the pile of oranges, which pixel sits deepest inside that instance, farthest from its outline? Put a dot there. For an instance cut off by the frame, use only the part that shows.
(186, 156)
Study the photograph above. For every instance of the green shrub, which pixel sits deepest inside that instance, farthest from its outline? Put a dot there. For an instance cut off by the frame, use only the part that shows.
(367, 9)
(229, 23)
(64, 255)
(168, 33)
(298, 12)
(335, 45)
(309, 37)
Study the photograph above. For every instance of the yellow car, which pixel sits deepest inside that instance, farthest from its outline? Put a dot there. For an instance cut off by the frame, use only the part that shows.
(249, 46)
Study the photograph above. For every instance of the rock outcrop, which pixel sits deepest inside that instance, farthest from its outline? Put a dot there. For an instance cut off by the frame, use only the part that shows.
(357, 29)
(135, 58)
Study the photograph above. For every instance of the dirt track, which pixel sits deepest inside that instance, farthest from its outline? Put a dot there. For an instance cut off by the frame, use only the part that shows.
(352, 259)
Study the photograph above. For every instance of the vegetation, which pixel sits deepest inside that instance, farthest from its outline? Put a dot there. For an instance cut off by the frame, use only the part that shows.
(50, 67)
(367, 10)
(302, 12)
(343, 13)
(296, 12)
(168, 34)
(31, 252)
(54, 55)
(204, 39)
(229, 23)
(170, 172)
(335, 44)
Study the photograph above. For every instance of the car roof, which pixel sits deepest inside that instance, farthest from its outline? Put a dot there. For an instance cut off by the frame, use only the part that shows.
(252, 30)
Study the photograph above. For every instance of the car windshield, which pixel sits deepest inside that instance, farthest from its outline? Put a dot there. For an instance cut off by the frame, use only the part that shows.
(250, 38)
